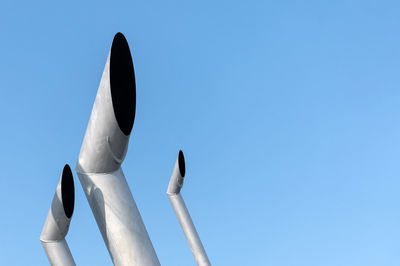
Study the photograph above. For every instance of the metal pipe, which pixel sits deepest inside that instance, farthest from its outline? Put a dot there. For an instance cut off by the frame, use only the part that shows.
(99, 165)
(173, 192)
(58, 220)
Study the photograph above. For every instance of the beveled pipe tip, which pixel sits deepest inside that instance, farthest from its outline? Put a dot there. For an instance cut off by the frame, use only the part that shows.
(62, 207)
(176, 182)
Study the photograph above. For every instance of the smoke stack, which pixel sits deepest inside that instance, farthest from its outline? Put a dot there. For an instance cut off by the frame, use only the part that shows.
(99, 165)
(58, 219)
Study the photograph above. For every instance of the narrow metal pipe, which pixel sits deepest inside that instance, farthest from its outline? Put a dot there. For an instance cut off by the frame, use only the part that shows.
(99, 165)
(58, 220)
(173, 192)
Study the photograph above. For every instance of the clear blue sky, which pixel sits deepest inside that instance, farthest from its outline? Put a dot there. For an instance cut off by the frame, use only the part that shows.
(288, 113)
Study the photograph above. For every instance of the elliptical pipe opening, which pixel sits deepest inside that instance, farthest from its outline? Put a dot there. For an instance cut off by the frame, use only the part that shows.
(68, 191)
(122, 82)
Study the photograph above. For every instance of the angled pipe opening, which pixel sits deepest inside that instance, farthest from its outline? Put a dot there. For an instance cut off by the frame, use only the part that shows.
(181, 162)
(178, 174)
(67, 191)
(122, 82)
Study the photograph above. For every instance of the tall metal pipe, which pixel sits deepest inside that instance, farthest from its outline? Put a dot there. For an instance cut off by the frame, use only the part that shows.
(173, 192)
(99, 165)
(58, 220)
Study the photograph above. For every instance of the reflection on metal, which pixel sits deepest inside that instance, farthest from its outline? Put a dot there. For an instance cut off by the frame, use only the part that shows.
(99, 165)
(173, 192)
(58, 219)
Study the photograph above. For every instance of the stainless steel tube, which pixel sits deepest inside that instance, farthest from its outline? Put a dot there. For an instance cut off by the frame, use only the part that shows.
(99, 165)
(58, 220)
(173, 192)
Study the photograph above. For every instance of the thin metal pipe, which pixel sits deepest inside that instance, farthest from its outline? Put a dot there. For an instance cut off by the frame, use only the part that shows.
(58, 220)
(99, 165)
(173, 192)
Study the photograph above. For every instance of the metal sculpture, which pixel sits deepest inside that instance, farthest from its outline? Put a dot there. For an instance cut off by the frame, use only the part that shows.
(103, 150)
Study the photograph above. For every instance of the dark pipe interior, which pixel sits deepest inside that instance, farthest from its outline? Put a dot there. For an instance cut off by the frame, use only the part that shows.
(67, 191)
(181, 162)
(122, 82)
